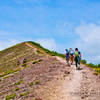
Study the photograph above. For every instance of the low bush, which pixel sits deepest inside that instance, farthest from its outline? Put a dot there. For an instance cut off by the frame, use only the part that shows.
(52, 53)
(19, 82)
(39, 52)
(96, 67)
(37, 82)
(5, 77)
(92, 65)
(17, 70)
(24, 61)
(16, 89)
(31, 84)
(97, 70)
(53, 63)
(10, 96)
(40, 60)
(83, 61)
(10, 71)
(24, 64)
(35, 62)
(23, 94)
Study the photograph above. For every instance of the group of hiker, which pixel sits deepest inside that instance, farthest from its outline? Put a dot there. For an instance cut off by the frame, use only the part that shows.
(73, 55)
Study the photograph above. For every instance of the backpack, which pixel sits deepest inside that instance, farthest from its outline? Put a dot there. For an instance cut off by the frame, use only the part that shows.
(76, 54)
(67, 52)
(71, 52)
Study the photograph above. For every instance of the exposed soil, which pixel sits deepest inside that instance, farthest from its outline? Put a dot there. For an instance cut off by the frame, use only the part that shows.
(78, 85)
(57, 81)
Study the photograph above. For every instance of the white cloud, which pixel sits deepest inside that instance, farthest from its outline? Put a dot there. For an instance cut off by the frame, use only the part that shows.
(89, 42)
(47, 43)
(9, 43)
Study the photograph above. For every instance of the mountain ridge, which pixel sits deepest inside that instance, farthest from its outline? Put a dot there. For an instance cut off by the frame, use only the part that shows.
(11, 55)
(21, 62)
(31, 72)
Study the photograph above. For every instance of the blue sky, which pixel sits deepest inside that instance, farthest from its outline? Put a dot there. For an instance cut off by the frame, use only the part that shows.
(55, 24)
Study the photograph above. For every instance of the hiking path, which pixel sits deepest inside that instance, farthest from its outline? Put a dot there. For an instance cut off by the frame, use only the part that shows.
(77, 85)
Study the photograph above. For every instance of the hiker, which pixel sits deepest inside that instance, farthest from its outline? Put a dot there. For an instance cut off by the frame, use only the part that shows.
(77, 56)
(67, 55)
(71, 53)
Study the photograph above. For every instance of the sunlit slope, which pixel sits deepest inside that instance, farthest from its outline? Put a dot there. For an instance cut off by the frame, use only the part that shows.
(10, 56)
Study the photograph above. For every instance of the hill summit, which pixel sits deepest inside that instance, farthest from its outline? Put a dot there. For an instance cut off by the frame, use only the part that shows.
(24, 68)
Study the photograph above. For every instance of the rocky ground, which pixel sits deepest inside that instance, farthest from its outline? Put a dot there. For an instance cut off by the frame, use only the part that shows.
(58, 81)
(78, 85)
(51, 79)
(44, 72)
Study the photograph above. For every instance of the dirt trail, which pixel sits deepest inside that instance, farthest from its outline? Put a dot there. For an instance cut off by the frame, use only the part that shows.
(78, 85)
(34, 49)
(73, 85)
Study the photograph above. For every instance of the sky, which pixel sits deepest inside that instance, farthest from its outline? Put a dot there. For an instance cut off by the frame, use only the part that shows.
(55, 24)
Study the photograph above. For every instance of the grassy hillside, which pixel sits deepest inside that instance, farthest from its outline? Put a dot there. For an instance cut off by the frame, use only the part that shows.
(23, 81)
(10, 56)
(52, 53)
(95, 67)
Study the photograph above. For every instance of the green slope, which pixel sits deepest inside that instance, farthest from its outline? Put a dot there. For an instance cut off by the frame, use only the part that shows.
(10, 56)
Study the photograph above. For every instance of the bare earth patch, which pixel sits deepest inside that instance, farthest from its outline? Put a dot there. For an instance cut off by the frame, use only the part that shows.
(51, 79)
(78, 85)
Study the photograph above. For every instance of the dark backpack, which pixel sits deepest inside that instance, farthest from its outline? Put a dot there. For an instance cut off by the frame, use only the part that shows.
(67, 52)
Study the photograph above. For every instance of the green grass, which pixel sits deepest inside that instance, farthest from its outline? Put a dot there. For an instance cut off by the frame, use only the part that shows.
(17, 70)
(53, 63)
(26, 67)
(64, 75)
(37, 82)
(40, 60)
(35, 62)
(39, 52)
(23, 94)
(19, 82)
(16, 89)
(83, 61)
(24, 61)
(10, 96)
(15, 73)
(10, 71)
(6, 73)
(24, 64)
(97, 71)
(52, 53)
(10, 56)
(31, 84)
(6, 77)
